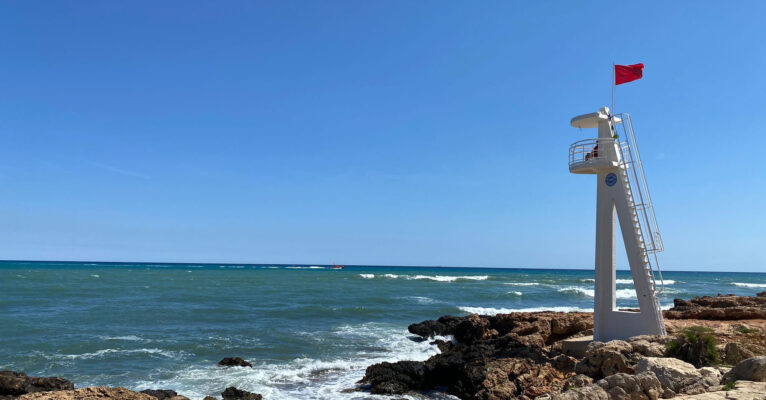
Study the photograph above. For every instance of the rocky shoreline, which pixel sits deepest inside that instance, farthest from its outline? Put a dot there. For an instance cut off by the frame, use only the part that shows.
(523, 356)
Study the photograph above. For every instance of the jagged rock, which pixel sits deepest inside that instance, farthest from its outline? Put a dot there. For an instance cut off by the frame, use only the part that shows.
(441, 327)
(234, 362)
(473, 328)
(743, 390)
(209, 398)
(679, 376)
(17, 383)
(232, 393)
(642, 386)
(395, 378)
(590, 392)
(736, 352)
(752, 369)
(164, 394)
(577, 381)
(604, 359)
(649, 345)
(721, 307)
(89, 393)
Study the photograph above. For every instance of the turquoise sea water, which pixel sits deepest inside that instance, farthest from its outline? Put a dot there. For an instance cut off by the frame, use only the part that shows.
(310, 331)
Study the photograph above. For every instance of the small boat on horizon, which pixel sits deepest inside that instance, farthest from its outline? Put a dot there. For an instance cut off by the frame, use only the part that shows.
(336, 266)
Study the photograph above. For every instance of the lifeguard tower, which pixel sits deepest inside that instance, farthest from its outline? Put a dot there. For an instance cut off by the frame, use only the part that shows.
(622, 193)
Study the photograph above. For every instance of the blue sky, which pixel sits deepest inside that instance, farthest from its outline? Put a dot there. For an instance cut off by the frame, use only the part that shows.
(400, 133)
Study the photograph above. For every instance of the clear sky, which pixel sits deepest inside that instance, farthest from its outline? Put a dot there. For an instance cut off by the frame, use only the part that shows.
(361, 132)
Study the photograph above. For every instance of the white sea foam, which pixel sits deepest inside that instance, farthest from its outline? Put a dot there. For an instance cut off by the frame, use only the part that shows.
(749, 285)
(121, 352)
(95, 275)
(422, 300)
(630, 281)
(367, 276)
(517, 293)
(587, 280)
(303, 378)
(522, 283)
(127, 337)
(392, 276)
(587, 292)
(494, 311)
(447, 278)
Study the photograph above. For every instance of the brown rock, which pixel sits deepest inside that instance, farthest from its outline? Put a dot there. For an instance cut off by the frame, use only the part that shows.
(232, 393)
(89, 393)
(736, 352)
(17, 383)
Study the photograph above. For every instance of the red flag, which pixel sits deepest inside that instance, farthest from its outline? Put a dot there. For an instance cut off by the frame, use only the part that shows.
(627, 73)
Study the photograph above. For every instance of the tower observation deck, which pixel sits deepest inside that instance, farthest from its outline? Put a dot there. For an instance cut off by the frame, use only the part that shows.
(623, 195)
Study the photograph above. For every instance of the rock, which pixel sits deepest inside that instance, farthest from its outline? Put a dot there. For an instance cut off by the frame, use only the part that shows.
(234, 362)
(577, 381)
(232, 393)
(164, 394)
(721, 307)
(590, 392)
(736, 352)
(649, 345)
(679, 376)
(89, 393)
(642, 386)
(17, 383)
(752, 369)
(604, 359)
(473, 328)
(743, 390)
(395, 378)
(209, 398)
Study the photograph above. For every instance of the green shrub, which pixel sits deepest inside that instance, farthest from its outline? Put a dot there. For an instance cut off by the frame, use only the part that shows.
(728, 386)
(695, 345)
(746, 330)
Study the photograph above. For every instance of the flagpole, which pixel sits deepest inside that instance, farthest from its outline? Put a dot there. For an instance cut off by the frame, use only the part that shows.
(613, 86)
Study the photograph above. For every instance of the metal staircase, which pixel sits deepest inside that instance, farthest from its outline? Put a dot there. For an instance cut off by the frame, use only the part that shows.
(642, 211)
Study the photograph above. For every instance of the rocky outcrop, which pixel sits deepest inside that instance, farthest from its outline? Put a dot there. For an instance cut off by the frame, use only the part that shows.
(234, 362)
(642, 386)
(736, 352)
(493, 357)
(752, 369)
(89, 393)
(679, 376)
(232, 393)
(164, 394)
(742, 390)
(17, 384)
(721, 307)
(604, 359)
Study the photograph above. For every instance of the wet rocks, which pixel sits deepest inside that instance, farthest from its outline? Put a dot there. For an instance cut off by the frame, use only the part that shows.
(234, 362)
(17, 383)
(395, 378)
(89, 393)
(752, 369)
(232, 393)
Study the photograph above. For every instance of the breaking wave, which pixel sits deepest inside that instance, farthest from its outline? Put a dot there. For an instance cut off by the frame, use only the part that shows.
(749, 285)
(495, 311)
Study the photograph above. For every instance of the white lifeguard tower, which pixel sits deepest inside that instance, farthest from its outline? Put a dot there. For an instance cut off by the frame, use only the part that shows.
(622, 192)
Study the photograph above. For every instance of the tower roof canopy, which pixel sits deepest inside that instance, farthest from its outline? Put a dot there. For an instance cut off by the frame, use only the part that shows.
(593, 119)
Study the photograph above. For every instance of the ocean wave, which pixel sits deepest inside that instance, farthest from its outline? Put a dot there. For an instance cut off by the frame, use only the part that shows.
(367, 276)
(587, 280)
(132, 338)
(303, 378)
(422, 299)
(749, 285)
(106, 352)
(522, 283)
(630, 281)
(447, 278)
(391, 276)
(581, 291)
(495, 311)
(95, 275)
(517, 293)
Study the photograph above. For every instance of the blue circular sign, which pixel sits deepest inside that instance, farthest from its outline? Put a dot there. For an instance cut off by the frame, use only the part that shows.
(610, 179)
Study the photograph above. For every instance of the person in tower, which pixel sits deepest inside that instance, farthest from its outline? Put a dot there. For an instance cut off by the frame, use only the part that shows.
(592, 154)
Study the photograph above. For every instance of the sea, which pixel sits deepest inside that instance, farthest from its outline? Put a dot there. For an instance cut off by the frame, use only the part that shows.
(309, 330)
